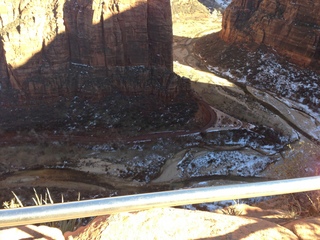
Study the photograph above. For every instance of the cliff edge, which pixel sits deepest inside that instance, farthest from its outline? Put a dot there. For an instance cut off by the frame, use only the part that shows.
(55, 48)
(292, 28)
(54, 53)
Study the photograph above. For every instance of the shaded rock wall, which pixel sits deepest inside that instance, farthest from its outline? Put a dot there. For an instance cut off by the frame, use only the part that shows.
(291, 27)
(51, 48)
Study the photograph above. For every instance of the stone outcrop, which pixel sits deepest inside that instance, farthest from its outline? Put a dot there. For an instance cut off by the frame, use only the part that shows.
(172, 223)
(290, 27)
(58, 48)
(308, 228)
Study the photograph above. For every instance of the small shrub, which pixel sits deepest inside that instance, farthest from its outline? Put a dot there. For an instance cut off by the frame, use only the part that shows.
(304, 204)
(233, 209)
(64, 226)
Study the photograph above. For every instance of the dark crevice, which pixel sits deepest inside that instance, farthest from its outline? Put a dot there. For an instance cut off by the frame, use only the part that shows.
(69, 43)
(148, 33)
(55, 14)
(4, 77)
(104, 45)
(125, 59)
(1, 21)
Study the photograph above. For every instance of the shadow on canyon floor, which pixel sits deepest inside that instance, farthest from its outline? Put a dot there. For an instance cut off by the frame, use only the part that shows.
(109, 117)
(260, 67)
(115, 116)
(82, 82)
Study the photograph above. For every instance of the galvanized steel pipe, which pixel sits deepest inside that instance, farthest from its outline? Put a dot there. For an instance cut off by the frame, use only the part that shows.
(98, 207)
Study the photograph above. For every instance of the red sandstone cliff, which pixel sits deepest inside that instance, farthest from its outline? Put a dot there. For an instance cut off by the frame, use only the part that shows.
(50, 48)
(291, 27)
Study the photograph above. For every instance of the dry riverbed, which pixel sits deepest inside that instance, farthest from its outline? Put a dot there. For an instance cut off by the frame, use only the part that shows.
(249, 142)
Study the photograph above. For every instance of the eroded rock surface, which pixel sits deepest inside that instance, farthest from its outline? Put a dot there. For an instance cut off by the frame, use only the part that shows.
(82, 47)
(292, 28)
(54, 52)
(308, 228)
(171, 223)
(250, 223)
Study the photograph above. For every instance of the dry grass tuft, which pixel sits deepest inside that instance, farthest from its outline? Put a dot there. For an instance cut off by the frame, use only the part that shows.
(39, 200)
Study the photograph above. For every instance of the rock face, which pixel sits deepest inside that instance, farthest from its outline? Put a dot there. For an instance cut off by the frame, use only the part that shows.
(57, 48)
(292, 28)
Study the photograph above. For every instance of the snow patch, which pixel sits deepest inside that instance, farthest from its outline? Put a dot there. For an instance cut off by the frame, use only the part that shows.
(223, 163)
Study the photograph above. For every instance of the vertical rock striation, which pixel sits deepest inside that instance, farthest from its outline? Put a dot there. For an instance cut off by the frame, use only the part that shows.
(52, 48)
(291, 27)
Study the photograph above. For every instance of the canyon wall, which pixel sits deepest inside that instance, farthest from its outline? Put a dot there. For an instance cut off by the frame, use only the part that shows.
(290, 27)
(52, 48)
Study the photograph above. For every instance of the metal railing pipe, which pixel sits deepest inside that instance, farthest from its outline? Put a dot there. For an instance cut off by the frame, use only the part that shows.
(103, 206)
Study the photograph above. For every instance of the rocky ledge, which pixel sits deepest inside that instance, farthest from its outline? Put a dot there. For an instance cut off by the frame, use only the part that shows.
(173, 223)
(292, 28)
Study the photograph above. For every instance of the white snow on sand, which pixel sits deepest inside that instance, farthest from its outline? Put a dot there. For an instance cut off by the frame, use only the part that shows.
(223, 163)
(297, 88)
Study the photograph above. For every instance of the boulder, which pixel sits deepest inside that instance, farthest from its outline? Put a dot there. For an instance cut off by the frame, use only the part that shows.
(305, 229)
(173, 223)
